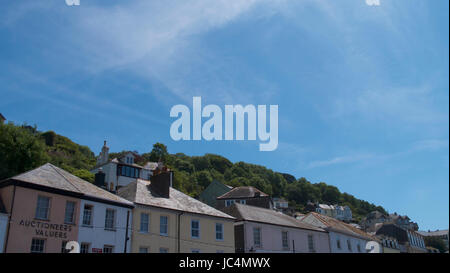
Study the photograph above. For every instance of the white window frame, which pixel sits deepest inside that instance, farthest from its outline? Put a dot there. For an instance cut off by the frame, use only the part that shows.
(72, 220)
(163, 250)
(166, 225)
(107, 221)
(141, 248)
(259, 244)
(91, 216)
(197, 229)
(108, 247)
(40, 209)
(311, 244)
(147, 229)
(33, 244)
(85, 244)
(283, 232)
(229, 202)
(221, 231)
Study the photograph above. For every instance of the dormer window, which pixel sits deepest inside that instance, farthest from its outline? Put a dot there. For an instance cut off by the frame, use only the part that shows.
(129, 160)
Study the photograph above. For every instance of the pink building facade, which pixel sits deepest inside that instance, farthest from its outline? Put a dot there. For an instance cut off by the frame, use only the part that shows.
(48, 207)
(45, 231)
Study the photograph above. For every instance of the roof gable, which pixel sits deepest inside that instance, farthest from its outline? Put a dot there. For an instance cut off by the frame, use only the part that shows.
(140, 192)
(243, 192)
(268, 216)
(53, 177)
(338, 226)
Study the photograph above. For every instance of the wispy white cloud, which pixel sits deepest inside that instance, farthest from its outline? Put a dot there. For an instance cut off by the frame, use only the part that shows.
(373, 2)
(411, 105)
(340, 160)
(159, 40)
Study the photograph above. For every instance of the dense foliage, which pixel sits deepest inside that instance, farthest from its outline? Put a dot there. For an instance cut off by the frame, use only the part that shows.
(194, 173)
(437, 243)
(23, 148)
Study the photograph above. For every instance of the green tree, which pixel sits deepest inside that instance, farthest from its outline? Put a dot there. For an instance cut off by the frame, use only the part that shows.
(436, 242)
(21, 150)
(159, 152)
(203, 178)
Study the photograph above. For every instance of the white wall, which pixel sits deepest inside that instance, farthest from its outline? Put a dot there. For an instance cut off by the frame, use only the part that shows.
(3, 227)
(271, 239)
(110, 171)
(354, 241)
(97, 236)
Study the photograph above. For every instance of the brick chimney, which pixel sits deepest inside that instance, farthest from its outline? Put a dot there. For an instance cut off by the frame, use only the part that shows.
(161, 183)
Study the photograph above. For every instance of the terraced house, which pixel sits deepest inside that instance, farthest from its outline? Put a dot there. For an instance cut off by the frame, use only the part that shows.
(166, 220)
(47, 207)
(261, 230)
(344, 238)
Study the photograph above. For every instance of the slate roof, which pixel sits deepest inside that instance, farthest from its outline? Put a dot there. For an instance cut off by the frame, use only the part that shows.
(140, 192)
(339, 226)
(242, 192)
(268, 216)
(50, 176)
(434, 233)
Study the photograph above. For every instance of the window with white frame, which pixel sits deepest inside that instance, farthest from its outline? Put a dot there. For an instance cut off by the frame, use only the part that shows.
(349, 245)
(110, 219)
(195, 228)
(84, 247)
(284, 239)
(358, 247)
(108, 249)
(219, 231)
(87, 215)
(311, 247)
(43, 207)
(229, 203)
(163, 225)
(163, 250)
(243, 202)
(37, 245)
(143, 249)
(144, 222)
(257, 237)
(69, 216)
(338, 243)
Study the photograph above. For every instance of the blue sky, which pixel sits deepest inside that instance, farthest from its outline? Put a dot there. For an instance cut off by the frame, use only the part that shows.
(363, 90)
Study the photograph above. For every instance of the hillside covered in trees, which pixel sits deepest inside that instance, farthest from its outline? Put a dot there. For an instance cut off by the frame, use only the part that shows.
(23, 148)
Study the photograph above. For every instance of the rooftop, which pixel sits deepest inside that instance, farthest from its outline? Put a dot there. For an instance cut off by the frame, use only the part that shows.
(242, 192)
(434, 233)
(140, 192)
(340, 226)
(50, 176)
(268, 216)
